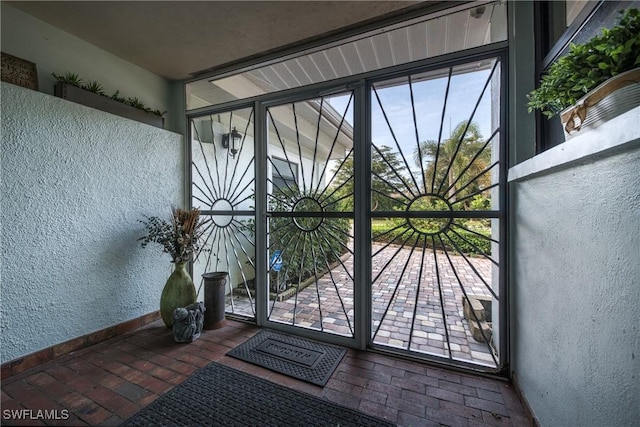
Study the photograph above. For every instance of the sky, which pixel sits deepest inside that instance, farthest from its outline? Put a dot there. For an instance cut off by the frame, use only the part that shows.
(428, 96)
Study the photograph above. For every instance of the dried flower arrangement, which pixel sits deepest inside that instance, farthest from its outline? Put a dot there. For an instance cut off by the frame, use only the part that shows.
(180, 237)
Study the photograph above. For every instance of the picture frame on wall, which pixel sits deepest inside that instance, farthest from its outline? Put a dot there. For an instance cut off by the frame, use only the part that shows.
(19, 71)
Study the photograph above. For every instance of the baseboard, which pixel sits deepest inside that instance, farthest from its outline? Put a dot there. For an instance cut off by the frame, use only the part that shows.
(523, 399)
(29, 361)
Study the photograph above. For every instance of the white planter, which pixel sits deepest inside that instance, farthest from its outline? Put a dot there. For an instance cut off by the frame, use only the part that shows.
(617, 95)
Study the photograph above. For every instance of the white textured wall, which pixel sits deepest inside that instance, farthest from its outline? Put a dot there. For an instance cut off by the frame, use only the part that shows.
(75, 182)
(575, 284)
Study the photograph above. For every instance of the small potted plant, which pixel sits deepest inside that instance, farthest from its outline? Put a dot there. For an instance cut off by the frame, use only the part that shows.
(181, 238)
(71, 87)
(590, 77)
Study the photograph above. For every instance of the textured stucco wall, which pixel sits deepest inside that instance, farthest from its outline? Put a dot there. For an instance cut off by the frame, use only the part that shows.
(575, 286)
(75, 182)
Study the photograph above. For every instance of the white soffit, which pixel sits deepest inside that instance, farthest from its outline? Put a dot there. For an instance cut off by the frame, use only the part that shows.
(456, 29)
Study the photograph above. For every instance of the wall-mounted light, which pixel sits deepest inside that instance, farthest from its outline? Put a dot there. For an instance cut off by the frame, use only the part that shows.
(231, 141)
(477, 12)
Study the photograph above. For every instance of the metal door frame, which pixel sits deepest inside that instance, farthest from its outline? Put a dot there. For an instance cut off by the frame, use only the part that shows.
(357, 88)
(361, 217)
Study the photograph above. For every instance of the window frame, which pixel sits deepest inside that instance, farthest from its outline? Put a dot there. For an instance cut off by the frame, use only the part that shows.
(276, 175)
(547, 52)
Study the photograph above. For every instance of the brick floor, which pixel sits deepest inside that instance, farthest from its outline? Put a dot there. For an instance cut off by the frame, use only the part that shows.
(106, 383)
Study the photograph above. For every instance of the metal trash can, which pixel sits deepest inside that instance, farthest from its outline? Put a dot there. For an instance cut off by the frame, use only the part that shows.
(214, 293)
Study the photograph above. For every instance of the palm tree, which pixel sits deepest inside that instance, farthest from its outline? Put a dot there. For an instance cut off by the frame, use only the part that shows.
(387, 179)
(455, 162)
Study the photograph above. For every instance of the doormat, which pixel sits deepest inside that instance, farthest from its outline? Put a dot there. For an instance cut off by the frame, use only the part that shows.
(218, 395)
(297, 357)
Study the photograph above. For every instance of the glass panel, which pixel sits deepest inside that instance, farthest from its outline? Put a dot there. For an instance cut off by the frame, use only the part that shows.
(223, 187)
(435, 162)
(572, 9)
(421, 38)
(310, 218)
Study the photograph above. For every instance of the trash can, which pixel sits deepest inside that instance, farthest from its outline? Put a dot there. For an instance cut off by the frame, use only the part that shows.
(214, 292)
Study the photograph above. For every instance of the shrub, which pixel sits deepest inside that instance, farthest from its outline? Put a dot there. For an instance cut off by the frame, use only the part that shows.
(329, 239)
(397, 231)
(588, 65)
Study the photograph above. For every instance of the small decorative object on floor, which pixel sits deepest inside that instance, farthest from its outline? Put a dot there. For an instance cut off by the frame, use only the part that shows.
(180, 238)
(214, 291)
(187, 322)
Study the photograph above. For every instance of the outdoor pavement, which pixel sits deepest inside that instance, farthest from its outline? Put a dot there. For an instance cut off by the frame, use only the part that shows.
(410, 305)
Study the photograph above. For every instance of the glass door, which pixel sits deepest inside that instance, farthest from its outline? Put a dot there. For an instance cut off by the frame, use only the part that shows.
(310, 214)
(391, 238)
(437, 202)
(223, 188)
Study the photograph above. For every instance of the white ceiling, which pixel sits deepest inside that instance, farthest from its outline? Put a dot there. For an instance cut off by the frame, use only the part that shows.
(174, 39)
(457, 28)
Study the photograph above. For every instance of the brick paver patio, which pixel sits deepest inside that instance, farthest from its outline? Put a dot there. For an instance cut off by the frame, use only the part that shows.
(329, 307)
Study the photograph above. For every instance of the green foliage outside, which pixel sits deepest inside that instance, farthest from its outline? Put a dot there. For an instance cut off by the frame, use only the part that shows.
(386, 179)
(457, 172)
(454, 162)
(396, 231)
(308, 244)
(587, 65)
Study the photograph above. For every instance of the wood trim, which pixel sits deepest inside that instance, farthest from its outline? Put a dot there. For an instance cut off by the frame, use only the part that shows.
(28, 361)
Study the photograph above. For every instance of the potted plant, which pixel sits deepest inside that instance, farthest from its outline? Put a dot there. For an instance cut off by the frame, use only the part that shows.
(599, 78)
(71, 87)
(180, 237)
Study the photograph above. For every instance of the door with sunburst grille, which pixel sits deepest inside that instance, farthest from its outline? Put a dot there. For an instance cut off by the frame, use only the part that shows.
(223, 188)
(436, 206)
(310, 214)
(424, 274)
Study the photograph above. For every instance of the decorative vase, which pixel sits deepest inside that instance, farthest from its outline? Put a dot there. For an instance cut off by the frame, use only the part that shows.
(214, 292)
(179, 291)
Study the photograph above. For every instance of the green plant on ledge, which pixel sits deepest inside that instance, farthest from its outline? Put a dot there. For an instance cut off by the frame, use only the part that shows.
(68, 78)
(588, 65)
(95, 87)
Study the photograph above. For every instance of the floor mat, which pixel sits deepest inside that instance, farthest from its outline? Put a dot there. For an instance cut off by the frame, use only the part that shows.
(297, 357)
(218, 395)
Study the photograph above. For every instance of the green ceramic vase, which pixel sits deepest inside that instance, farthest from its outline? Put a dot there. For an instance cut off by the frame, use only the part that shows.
(179, 291)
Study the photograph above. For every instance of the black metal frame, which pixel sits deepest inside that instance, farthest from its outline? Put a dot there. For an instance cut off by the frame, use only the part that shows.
(362, 193)
(499, 214)
(549, 131)
(307, 191)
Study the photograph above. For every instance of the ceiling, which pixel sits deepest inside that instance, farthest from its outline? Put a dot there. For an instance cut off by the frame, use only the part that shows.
(455, 29)
(175, 39)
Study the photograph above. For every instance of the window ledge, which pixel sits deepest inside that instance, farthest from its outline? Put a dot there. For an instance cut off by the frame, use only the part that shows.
(619, 133)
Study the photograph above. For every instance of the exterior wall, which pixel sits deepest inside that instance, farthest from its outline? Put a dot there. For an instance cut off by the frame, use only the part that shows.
(217, 158)
(54, 51)
(575, 280)
(75, 182)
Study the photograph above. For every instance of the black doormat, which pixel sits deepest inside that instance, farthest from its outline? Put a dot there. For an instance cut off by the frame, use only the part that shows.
(297, 357)
(217, 395)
